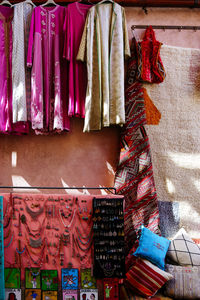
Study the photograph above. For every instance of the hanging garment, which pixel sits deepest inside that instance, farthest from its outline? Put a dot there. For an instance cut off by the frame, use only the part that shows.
(2, 281)
(150, 66)
(6, 126)
(45, 56)
(104, 45)
(21, 75)
(74, 25)
(134, 176)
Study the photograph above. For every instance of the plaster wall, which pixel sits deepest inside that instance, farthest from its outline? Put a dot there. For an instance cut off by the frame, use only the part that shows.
(78, 159)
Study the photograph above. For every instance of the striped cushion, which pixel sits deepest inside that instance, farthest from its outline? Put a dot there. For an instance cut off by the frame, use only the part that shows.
(185, 284)
(146, 279)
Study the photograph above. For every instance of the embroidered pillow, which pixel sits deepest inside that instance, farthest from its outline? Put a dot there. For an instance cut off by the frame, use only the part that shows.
(183, 250)
(152, 247)
(145, 279)
(185, 283)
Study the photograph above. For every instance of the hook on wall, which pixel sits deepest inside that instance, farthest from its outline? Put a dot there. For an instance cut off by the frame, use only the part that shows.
(145, 10)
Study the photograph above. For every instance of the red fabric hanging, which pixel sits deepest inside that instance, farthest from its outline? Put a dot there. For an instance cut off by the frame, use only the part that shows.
(150, 66)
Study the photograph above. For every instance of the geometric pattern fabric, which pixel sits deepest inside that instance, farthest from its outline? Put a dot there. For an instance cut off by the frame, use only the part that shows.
(134, 174)
(183, 250)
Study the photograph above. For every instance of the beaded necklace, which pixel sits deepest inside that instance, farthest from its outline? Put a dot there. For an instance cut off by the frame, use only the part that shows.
(36, 249)
(83, 258)
(35, 243)
(81, 235)
(57, 250)
(7, 224)
(34, 214)
(84, 243)
(20, 252)
(80, 247)
(35, 274)
(40, 258)
(23, 220)
(72, 219)
(6, 236)
(6, 246)
(82, 212)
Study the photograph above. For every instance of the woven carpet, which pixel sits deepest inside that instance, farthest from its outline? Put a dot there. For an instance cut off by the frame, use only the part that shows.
(175, 142)
(134, 175)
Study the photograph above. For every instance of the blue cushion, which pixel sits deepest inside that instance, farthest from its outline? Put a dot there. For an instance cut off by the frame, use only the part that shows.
(152, 247)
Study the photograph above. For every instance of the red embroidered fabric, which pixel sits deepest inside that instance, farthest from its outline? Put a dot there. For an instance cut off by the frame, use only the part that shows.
(150, 66)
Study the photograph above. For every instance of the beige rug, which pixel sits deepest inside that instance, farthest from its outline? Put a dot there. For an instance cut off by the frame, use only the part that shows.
(175, 142)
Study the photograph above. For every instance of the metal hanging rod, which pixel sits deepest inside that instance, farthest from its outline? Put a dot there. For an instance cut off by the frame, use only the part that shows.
(135, 3)
(59, 188)
(163, 27)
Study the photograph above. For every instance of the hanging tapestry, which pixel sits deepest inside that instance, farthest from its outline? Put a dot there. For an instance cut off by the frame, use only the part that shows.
(174, 142)
(134, 175)
(2, 284)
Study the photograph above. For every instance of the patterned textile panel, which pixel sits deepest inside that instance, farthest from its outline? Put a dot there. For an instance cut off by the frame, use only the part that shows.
(134, 175)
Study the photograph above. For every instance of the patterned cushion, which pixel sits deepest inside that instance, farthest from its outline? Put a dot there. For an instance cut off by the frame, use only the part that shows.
(146, 279)
(185, 284)
(152, 247)
(183, 250)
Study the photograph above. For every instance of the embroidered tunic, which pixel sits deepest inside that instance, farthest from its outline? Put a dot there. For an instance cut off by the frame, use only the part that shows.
(6, 125)
(45, 55)
(21, 76)
(75, 21)
(103, 46)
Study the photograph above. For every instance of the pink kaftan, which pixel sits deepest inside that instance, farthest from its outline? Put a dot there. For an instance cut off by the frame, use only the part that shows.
(45, 56)
(74, 24)
(6, 124)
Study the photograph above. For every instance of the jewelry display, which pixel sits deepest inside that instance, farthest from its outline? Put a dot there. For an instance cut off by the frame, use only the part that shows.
(50, 230)
(108, 227)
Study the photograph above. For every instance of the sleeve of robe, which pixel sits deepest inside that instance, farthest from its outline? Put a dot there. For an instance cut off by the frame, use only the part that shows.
(66, 51)
(127, 52)
(82, 52)
(31, 41)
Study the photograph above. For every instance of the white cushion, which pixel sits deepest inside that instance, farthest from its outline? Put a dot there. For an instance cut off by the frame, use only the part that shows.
(183, 250)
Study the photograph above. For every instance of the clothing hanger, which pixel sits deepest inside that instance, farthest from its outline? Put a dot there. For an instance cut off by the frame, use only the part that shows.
(103, 1)
(29, 2)
(49, 2)
(5, 2)
(85, 2)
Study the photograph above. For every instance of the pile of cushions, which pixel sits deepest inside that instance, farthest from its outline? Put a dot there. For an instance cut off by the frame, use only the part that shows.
(146, 276)
(185, 254)
(148, 273)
